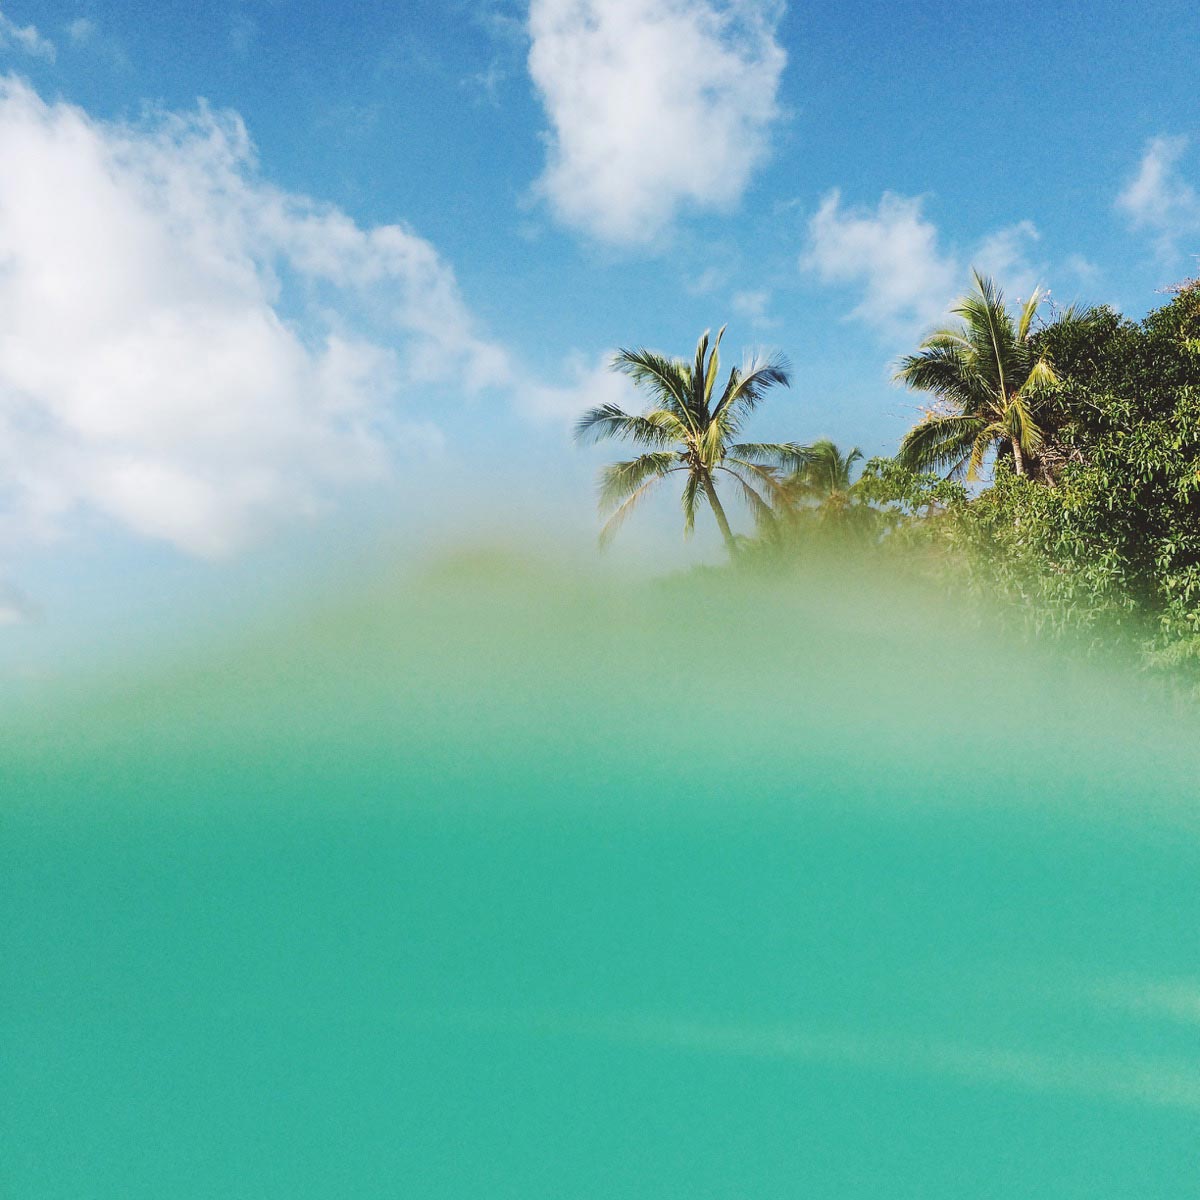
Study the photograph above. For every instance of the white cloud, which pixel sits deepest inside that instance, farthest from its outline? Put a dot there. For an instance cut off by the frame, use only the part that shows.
(1082, 268)
(25, 38)
(82, 30)
(654, 104)
(176, 355)
(88, 35)
(753, 305)
(894, 254)
(243, 33)
(1158, 200)
(1004, 255)
(592, 383)
(707, 282)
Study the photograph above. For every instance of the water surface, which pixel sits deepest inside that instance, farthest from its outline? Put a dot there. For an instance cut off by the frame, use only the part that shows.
(506, 883)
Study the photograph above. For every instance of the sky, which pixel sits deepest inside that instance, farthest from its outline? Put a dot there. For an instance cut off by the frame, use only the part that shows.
(284, 282)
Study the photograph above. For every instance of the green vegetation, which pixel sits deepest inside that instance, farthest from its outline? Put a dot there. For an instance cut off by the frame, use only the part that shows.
(685, 432)
(1086, 426)
(989, 375)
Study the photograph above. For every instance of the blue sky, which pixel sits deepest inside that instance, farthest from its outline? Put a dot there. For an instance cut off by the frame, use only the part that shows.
(284, 274)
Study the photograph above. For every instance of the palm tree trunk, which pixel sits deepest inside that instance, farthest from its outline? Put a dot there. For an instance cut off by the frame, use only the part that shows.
(719, 512)
(1018, 456)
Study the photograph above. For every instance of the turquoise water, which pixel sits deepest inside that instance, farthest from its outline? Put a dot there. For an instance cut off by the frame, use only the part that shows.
(507, 883)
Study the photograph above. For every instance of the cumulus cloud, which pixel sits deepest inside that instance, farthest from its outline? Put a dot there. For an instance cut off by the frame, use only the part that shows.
(192, 354)
(25, 38)
(653, 105)
(894, 254)
(592, 382)
(1158, 200)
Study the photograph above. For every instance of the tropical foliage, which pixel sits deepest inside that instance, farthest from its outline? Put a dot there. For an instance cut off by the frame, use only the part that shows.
(1087, 425)
(823, 500)
(1117, 541)
(990, 375)
(691, 429)
(826, 480)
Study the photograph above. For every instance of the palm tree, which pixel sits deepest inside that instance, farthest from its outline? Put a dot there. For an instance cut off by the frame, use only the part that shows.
(690, 429)
(825, 482)
(990, 377)
(823, 498)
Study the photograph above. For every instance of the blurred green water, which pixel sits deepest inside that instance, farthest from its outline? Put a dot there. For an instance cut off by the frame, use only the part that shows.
(507, 883)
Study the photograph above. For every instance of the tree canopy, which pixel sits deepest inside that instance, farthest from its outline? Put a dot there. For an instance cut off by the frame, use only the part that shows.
(1087, 524)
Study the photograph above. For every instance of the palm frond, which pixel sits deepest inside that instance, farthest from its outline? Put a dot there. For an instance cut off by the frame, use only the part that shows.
(765, 476)
(1041, 378)
(1019, 423)
(658, 427)
(763, 513)
(618, 518)
(1076, 314)
(989, 329)
(668, 380)
(788, 456)
(745, 390)
(710, 444)
(939, 442)
(693, 489)
(984, 440)
(948, 371)
(1028, 312)
(714, 366)
(618, 481)
(947, 339)
(828, 471)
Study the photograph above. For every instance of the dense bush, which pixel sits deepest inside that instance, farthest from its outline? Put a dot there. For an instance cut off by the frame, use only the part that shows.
(1102, 542)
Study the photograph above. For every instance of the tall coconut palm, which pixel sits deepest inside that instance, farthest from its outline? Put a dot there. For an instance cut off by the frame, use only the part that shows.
(690, 429)
(991, 379)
